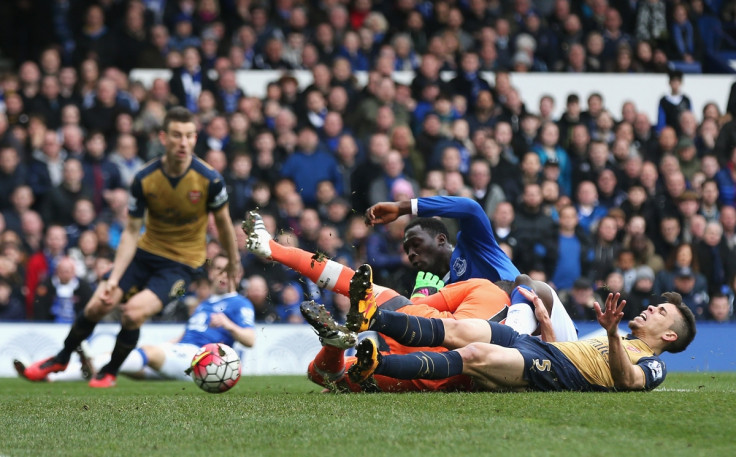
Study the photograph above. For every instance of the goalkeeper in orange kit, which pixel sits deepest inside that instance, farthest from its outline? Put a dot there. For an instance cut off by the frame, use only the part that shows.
(475, 298)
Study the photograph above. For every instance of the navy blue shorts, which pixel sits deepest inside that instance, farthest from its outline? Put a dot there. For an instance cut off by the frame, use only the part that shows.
(164, 277)
(545, 367)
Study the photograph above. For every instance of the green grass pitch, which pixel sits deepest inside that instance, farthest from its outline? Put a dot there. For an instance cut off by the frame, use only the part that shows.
(692, 414)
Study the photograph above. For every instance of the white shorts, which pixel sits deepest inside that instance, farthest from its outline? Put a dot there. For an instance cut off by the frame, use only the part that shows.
(178, 358)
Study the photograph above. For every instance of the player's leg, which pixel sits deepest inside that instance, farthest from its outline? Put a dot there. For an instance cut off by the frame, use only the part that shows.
(495, 366)
(81, 329)
(328, 366)
(135, 311)
(324, 272)
(169, 361)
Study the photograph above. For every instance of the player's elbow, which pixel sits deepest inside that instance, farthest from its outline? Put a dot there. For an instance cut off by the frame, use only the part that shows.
(247, 338)
(628, 383)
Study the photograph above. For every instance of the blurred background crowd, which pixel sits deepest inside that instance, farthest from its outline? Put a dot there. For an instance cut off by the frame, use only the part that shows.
(591, 201)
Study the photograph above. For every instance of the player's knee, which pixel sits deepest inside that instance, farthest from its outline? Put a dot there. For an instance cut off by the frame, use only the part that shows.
(132, 319)
(474, 355)
(96, 309)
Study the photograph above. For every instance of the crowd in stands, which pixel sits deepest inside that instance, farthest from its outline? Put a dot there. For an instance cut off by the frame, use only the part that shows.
(592, 201)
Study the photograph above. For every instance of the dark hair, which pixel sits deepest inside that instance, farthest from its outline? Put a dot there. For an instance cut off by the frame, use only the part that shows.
(430, 225)
(177, 114)
(675, 74)
(685, 327)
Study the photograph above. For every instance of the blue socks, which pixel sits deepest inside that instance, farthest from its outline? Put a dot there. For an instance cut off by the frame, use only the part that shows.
(409, 330)
(421, 365)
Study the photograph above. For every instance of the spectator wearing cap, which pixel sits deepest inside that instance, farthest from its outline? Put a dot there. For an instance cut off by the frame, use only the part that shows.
(694, 290)
(183, 36)
(578, 301)
(688, 158)
(641, 294)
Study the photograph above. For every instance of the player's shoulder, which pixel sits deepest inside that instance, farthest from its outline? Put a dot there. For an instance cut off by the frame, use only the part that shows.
(149, 167)
(205, 169)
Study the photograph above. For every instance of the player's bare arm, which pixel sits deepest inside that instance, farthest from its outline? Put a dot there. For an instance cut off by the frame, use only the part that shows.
(626, 376)
(244, 336)
(385, 212)
(123, 256)
(226, 234)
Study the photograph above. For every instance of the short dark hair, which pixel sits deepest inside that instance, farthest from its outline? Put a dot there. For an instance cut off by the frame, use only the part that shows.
(675, 74)
(430, 225)
(685, 327)
(177, 114)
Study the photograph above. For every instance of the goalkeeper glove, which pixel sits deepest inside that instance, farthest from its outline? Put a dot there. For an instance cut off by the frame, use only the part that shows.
(426, 284)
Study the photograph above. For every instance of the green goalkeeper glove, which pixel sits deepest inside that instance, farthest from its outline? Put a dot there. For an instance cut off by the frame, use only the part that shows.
(426, 284)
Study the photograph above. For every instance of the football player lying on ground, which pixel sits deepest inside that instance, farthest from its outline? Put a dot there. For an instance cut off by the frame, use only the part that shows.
(475, 298)
(224, 317)
(499, 358)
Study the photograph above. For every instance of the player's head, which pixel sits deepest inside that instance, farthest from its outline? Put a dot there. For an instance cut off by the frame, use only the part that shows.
(670, 325)
(426, 242)
(218, 275)
(179, 133)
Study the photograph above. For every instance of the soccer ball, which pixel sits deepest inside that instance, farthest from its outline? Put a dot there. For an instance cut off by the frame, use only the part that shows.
(215, 368)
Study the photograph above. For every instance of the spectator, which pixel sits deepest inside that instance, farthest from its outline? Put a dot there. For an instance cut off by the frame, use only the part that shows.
(672, 105)
(575, 250)
(588, 208)
(535, 232)
(719, 308)
(61, 296)
(605, 251)
(311, 156)
(694, 291)
(189, 81)
(641, 295)
(392, 171)
(11, 303)
(12, 174)
(717, 261)
(42, 263)
(100, 175)
(579, 300)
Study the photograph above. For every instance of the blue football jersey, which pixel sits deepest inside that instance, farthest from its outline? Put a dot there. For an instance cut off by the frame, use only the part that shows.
(477, 253)
(236, 307)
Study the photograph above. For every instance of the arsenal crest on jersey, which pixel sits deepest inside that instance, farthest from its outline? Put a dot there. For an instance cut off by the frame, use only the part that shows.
(195, 196)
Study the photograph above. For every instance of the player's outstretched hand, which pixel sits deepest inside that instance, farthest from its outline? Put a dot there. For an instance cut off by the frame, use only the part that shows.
(426, 284)
(612, 315)
(382, 213)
